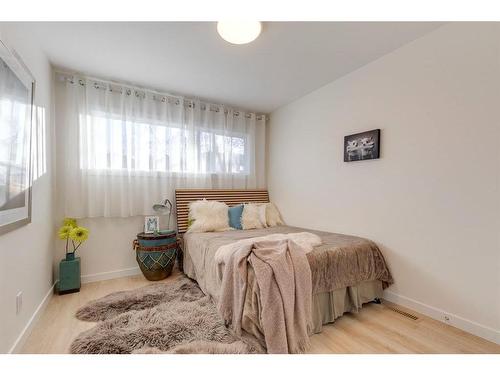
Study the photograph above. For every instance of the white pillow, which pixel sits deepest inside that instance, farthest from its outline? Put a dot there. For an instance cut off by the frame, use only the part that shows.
(250, 218)
(273, 216)
(208, 216)
(262, 214)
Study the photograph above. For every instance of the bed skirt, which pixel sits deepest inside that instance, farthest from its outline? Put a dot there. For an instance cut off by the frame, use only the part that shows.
(328, 306)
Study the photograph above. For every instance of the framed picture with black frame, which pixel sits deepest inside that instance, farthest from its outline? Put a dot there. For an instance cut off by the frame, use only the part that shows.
(362, 146)
(17, 87)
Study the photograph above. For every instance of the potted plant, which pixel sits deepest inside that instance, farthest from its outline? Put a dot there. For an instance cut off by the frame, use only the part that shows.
(69, 268)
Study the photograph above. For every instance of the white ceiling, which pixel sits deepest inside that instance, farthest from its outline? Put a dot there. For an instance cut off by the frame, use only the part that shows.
(287, 61)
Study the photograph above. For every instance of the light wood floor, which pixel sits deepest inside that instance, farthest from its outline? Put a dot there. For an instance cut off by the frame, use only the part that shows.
(375, 329)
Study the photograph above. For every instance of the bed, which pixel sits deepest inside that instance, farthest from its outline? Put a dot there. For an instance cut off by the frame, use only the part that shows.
(347, 271)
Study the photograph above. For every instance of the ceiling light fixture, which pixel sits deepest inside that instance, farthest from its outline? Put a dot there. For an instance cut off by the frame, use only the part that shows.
(239, 32)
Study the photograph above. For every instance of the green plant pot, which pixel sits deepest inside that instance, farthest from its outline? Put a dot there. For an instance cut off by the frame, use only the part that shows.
(69, 275)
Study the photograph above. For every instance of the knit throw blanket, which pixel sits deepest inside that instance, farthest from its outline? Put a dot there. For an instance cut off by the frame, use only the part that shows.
(284, 284)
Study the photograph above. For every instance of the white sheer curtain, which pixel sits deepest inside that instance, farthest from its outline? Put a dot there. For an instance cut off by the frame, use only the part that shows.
(121, 149)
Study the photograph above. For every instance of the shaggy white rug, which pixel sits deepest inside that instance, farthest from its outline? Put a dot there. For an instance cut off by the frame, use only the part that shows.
(171, 317)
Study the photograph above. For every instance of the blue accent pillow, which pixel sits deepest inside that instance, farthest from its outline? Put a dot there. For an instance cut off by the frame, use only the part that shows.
(235, 213)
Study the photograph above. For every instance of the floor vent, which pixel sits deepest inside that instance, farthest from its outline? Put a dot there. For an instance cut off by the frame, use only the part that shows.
(401, 312)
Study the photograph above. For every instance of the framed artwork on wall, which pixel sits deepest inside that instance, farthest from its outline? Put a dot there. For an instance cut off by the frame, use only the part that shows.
(17, 86)
(362, 146)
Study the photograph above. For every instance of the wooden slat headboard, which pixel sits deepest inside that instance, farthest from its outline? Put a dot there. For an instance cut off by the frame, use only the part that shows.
(183, 197)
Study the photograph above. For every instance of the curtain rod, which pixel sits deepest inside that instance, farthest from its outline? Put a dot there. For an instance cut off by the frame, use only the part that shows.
(140, 92)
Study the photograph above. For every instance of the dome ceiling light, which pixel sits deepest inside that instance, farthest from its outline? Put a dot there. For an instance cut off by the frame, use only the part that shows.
(239, 32)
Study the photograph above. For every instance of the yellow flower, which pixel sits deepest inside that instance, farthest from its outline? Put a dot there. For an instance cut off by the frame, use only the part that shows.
(69, 221)
(79, 234)
(64, 232)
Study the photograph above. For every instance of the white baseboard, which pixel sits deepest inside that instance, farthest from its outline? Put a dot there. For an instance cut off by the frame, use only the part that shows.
(456, 321)
(18, 344)
(110, 275)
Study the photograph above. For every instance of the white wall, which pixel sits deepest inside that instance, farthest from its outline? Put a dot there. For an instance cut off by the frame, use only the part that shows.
(26, 253)
(432, 202)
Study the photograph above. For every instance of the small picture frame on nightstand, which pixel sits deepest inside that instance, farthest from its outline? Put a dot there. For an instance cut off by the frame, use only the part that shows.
(151, 224)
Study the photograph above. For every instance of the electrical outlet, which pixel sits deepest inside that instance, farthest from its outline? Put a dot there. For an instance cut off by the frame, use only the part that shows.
(446, 318)
(19, 302)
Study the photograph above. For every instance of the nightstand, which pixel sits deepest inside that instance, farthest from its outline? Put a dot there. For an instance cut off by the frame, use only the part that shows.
(156, 253)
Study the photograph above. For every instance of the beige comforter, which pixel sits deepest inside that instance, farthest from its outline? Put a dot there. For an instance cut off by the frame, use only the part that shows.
(340, 260)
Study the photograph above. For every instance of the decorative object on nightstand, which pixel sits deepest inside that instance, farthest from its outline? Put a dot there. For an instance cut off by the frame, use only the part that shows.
(69, 268)
(151, 224)
(156, 253)
(164, 209)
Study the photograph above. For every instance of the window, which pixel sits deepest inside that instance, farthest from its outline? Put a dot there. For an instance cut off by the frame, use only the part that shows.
(108, 144)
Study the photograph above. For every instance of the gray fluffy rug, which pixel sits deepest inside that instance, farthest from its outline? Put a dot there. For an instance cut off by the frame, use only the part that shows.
(173, 317)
